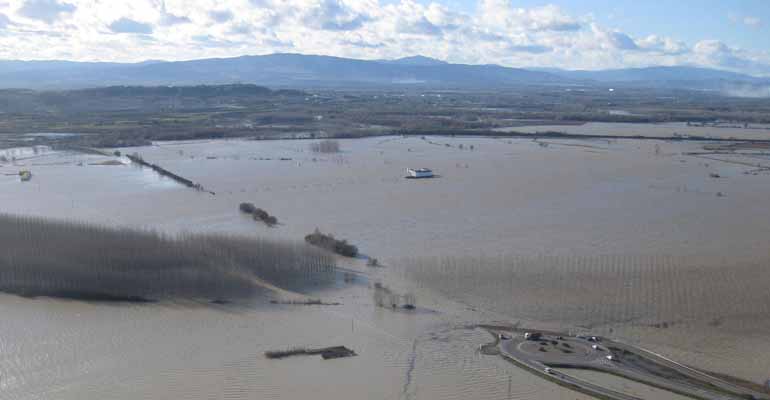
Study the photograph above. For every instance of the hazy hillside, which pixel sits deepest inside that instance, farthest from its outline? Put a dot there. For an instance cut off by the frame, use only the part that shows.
(302, 71)
(694, 77)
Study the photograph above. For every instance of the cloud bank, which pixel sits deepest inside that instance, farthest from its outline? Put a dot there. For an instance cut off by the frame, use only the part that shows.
(497, 31)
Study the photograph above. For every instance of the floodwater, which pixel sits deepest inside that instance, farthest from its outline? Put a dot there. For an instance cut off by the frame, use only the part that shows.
(668, 129)
(623, 385)
(565, 200)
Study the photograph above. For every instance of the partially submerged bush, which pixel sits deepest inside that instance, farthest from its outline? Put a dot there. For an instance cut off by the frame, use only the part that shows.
(247, 208)
(262, 215)
(258, 214)
(270, 220)
(74, 260)
(328, 242)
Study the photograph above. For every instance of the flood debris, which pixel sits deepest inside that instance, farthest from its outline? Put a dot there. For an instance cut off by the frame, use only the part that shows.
(307, 302)
(327, 353)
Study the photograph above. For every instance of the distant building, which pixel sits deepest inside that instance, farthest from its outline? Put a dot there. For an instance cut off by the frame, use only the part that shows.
(419, 173)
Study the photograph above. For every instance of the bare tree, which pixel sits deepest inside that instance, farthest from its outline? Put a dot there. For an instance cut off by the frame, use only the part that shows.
(325, 146)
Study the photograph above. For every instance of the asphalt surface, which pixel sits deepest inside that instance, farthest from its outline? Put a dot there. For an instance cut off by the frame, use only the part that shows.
(574, 352)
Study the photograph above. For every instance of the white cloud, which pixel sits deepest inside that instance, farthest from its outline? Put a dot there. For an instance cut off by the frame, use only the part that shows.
(718, 54)
(169, 18)
(752, 21)
(497, 31)
(747, 20)
(663, 45)
(333, 15)
(502, 15)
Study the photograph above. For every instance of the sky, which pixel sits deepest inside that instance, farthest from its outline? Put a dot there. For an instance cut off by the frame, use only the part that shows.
(590, 34)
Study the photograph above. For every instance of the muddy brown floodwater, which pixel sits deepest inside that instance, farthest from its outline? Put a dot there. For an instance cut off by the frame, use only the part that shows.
(666, 222)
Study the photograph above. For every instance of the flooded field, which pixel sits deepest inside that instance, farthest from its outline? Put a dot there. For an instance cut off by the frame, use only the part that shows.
(635, 239)
(725, 131)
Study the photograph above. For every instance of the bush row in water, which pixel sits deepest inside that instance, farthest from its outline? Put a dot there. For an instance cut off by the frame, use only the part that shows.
(328, 242)
(258, 214)
(68, 259)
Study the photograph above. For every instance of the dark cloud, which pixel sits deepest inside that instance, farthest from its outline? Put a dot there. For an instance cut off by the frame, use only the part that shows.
(362, 44)
(45, 10)
(242, 29)
(126, 25)
(167, 18)
(211, 41)
(331, 15)
(562, 26)
(221, 17)
(420, 26)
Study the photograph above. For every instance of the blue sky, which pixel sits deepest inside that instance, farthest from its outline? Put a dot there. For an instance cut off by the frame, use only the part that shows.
(593, 34)
(689, 20)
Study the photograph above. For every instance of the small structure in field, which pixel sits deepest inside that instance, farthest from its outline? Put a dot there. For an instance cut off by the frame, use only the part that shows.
(25, 175)
(416, 173)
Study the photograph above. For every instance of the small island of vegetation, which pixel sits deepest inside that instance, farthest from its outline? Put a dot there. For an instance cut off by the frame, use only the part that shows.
(328, 242)
(258, 214)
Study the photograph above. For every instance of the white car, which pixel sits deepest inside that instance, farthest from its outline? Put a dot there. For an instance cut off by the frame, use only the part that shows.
(549, 371)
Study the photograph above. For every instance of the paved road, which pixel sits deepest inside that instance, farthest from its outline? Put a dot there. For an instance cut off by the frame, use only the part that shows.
(561, 378)
(692, 373)
(550, 352)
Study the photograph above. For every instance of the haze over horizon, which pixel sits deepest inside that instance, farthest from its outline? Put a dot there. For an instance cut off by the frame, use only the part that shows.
(591, 35)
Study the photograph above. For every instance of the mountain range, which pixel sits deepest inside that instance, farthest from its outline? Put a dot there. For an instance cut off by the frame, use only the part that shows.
(307, 71)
